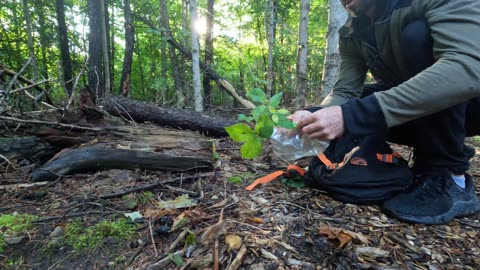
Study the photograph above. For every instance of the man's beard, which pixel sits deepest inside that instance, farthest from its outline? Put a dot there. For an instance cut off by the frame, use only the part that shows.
(362, 9)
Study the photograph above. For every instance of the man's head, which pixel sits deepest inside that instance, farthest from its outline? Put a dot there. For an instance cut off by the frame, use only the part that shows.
(357, 8)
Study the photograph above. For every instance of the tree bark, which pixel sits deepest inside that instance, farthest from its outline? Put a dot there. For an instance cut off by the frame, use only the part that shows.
(177, 77)
(197, 85)
(64, 48)
(131, 147)
(105, 47)
(207, 86)
(31, 50)
(125, 83)
(271, 29)
(95, 54)
(169, 117)
(302, 54)
(331, 66)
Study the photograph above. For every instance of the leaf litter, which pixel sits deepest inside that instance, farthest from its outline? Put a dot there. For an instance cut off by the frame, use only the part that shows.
(219, 225)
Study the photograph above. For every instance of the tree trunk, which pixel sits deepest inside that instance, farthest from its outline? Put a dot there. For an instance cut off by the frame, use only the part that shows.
(177, 76)
(95, 55)
(207, 86)
(302, 53)
(184, 119)
(64, 48)
(39, 9)
(125, 83)
(105, 47)
(271, 29)
(331, 66)
(31, 50)
(197, 85)
(111, 44)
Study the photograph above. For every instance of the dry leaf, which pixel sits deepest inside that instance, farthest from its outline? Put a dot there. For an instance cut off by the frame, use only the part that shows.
(180, 202)
(212, 232)
(155, 213)
(341, 237)
(179, 222)
(255, 220)
(234, 241)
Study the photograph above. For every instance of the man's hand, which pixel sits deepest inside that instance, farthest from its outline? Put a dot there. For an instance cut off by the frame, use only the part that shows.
(298, 115)
(324, 124)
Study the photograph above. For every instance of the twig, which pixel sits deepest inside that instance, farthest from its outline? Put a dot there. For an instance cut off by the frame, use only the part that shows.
(152, 186)
(28, 185)
(42, 102)
(15, 77)
(72, 94)
(151, 235)
(216, 251)
(162, 264)
(180, 238)
(39, 122)
(237, 262)
(28, 86)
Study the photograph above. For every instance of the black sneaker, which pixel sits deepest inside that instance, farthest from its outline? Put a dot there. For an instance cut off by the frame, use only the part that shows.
(469, 151)
(437, 200)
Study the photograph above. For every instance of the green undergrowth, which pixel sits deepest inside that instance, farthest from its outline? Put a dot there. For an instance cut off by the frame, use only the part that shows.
(14, 225)
(82, 237)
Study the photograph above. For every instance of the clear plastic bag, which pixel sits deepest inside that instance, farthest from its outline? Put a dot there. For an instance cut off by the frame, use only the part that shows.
(288, 145)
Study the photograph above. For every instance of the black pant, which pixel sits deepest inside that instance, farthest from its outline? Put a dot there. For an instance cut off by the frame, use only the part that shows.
(438, 139)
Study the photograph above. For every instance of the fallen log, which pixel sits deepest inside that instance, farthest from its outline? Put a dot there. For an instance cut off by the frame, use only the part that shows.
(149, 112)
(131, 147)
(103, 156)
(32, 148)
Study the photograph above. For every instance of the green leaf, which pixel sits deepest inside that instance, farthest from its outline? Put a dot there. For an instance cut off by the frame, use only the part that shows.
(243, 117)
(252, 148)
(259, 111)
(177, 259)
(240, 132)
(283, 111)
(235, 180)
(276, 99)
(284, 122)
(264, 126)
(293, 182)
(257, 95)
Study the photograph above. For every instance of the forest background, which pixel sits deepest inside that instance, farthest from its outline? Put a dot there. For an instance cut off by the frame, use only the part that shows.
(163, 51)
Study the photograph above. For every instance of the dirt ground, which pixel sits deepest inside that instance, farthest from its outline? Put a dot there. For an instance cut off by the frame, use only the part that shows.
(275, 226)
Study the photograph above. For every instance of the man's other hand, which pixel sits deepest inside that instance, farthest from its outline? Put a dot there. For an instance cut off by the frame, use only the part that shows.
(324, 124)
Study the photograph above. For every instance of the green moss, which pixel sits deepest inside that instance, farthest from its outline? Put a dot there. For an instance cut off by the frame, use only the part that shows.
(11, 223)
(81, 237)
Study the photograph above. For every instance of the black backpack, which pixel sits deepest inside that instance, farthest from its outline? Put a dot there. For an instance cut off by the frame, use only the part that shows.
(359, 170)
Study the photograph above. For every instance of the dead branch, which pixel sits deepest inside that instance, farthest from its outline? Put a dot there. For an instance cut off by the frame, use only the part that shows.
(40, 122)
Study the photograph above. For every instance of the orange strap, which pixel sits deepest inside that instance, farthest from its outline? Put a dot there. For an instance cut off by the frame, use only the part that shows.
(330, 165)
(389, 158)
(270, 177)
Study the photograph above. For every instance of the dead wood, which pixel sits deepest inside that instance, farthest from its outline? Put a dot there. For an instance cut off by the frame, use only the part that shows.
(103, 156)
(32, 148)
(140, 147)
(149, 112)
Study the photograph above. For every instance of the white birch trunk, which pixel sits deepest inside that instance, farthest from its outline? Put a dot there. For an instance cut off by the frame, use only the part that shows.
(337, 16)
(302, 53)
(197, 82)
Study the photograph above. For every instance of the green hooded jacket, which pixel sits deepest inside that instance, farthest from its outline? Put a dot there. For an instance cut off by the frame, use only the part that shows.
(454, 78)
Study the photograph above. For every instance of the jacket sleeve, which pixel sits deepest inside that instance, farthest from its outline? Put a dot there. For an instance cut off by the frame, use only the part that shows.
(351, 77)
(454, 78)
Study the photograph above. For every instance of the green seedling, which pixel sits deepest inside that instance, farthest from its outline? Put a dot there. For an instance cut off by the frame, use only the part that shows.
(263, 118)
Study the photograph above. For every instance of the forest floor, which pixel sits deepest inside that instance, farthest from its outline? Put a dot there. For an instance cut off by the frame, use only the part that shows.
(219, 225)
